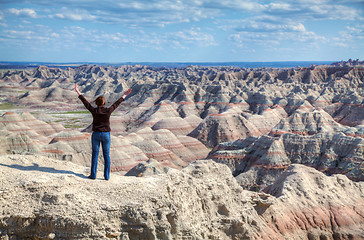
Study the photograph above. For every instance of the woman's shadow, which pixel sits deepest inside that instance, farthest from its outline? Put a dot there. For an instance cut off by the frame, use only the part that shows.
(36, 167)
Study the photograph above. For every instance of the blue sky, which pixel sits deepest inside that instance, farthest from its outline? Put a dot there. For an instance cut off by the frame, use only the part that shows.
(181, 31)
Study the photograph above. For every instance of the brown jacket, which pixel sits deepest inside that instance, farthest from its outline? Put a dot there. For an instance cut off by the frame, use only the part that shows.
(101, 115)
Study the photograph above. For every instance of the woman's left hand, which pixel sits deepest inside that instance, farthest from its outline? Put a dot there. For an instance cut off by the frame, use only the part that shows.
(77, 91)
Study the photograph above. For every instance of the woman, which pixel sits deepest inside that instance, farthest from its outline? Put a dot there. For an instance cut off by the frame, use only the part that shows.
(101, 130)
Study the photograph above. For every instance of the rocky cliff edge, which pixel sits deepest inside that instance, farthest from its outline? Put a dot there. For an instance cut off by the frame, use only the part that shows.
(43, 198)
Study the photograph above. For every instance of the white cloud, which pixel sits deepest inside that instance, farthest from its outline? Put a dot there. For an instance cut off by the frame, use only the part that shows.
(302, 10)
(193, 35)
(153, 13)
(73, 15)
(33, 36)
(144, 13)
(262, 24)
(357, 30)
(161, 12)
(240, 5)
(2, 20)
(82, 38)
(58, 15)
(244, 39)
(19, 34)
(135, 13)
(333, 12)
(56, 35)
(25, 12)
(269, 38)
(299, 27)
(183, 39)
(341, 44)
(279, 7)
(163, 5)
(25, 36)
(257, 26)
(352, 37)
(235, 5)
(247, 23)
(78, 36)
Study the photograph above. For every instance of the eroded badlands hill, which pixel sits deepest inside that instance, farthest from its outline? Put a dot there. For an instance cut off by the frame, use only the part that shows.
(197, 91)
(43, 198)
(170, 108)
(23, 133)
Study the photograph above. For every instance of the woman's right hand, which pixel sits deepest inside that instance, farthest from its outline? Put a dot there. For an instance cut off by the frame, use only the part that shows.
(127, 93)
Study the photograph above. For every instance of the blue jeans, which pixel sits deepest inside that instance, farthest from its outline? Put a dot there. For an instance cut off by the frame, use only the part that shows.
(104, 138)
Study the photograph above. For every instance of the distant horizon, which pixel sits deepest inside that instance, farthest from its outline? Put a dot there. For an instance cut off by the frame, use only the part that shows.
(112, 62)
(251, 64)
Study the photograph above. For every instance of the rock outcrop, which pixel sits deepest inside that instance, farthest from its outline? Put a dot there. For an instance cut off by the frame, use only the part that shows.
(308, 201)
(224, 127)
(45, 198)
(258, 162)
(148, 168)
(313, 122)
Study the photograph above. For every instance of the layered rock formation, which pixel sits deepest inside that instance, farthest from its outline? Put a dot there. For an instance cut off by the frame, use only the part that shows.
(308, 136)
(259, 161)
(23, 133)
(212, 104)
(160, 93)
(49, 199)
(312, 122)
(307, 202)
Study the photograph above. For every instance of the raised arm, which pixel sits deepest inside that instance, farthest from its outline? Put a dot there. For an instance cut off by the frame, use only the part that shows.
(117, 103)
(83, 99)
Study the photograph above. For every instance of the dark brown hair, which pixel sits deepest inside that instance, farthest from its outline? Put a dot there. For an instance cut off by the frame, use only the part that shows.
(100, 101)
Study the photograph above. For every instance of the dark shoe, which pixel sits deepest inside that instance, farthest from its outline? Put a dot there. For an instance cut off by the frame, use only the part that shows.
(106, 179)
(91, 178)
